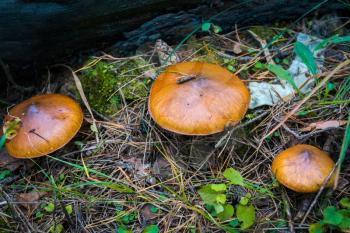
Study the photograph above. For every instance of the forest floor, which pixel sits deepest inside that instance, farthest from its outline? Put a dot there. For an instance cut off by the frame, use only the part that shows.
(123, 173)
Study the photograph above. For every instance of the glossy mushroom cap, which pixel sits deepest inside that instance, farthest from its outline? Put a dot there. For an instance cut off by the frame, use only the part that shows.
(46, 123)
(195, 98)
(303, 168)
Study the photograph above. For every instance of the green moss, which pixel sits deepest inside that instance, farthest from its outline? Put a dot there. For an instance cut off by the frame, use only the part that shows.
(263, 32)
(106, 84)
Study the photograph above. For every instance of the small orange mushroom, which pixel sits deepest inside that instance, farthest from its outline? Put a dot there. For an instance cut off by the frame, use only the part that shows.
(303, 168)
(41, 125)
(195, 98)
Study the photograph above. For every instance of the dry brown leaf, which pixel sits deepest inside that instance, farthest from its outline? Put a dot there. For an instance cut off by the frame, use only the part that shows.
(30, 200)
(147, 214)
(161, 168)
(141, 168)
(323, 125)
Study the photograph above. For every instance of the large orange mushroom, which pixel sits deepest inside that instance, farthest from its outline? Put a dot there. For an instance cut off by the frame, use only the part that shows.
(303, 168)
(41, 125)
(195, 98)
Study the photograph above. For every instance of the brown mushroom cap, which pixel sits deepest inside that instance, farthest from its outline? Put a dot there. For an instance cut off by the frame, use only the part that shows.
(303, 168)
(47, 123)
(195, 98)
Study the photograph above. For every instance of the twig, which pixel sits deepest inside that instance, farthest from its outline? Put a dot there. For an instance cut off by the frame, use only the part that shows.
(239, 126)
(304, 137)
(264, 47)
(287, 210)
(18, 215)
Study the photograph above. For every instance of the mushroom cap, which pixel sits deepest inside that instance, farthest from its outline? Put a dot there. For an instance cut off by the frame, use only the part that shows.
(195, 98)
(47, 123)
(303, 168)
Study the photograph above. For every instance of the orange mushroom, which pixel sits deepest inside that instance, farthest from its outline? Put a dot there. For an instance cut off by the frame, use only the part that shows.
(303, 168)
(41, 125)
(195, 98)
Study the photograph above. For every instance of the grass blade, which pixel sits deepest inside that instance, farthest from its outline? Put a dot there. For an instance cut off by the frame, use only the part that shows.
(306, 56)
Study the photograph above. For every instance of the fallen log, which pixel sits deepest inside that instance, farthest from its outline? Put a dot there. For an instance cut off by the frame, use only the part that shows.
(46, 31)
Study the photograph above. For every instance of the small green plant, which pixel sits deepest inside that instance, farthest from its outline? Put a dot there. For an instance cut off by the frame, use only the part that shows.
(333, 218)
(50, 207)
(216, 202)
(56, 228)
(283, 74)
(206, 26)
(150, 229)
(5, 173)
(230, 64)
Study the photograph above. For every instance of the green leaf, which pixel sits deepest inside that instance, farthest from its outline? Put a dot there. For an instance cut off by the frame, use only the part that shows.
(206, 27)
(332, 40)
(218, 187)
(345, 223)
(217, 28)
(227, 213)
(246, 215)
(212, 193)
(4, 174)
(122, 229)
(315, 228)
(49, 207)
(3, 140)
(244, 201)
(332, 216)
(233, 176)
(118, 187)
(127, 218)
(39, 214)
(285, 61)
(220, 198)
(330, 86)
(306, 56)
(234, 223)
(231, 68)
(282, 74)
(229, 229)
(345, 203)
(259, 65)
(151, 229)
(56, 228)
(154, 209)
(69, 209)
(218, 208)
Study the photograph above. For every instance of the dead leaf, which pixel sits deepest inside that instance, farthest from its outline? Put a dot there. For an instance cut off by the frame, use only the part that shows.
(323, 125)
(161, 168)
(147, 213)
(141, 168)
(30, 200)
(9, 162)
